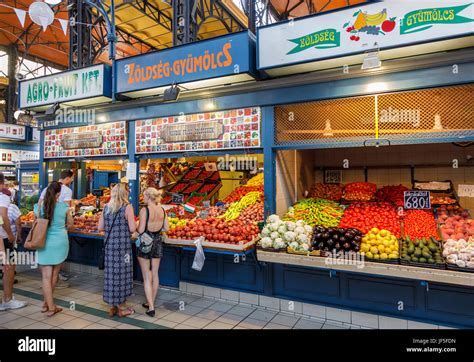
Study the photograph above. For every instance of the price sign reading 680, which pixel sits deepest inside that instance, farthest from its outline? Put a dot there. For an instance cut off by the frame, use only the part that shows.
(417, 200)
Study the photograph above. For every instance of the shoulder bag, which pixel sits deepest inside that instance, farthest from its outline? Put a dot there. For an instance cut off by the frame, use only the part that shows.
(36, 238)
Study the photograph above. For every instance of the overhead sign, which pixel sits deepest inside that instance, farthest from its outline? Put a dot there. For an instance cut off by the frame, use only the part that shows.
(107, 139)
(66, 87)
(378, 25)
(229, 55)
(12, 132)
(233, 129)
(10, 157)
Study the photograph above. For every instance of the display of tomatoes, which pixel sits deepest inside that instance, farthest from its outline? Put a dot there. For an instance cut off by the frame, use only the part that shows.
(368, 215)
(420, 224)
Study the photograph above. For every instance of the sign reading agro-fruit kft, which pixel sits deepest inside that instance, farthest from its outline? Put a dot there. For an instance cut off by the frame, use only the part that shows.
(382, 24)
(84, 83)
(238, 128)
(108, 139)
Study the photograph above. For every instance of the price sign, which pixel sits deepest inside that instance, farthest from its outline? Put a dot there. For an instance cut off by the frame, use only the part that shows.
(206, 204)
(417, 200)
(172, 214)
(466, 190)
(204, 214)
(177, 198)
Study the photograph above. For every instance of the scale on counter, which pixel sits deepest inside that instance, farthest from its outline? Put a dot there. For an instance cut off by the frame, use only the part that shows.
(97, 193)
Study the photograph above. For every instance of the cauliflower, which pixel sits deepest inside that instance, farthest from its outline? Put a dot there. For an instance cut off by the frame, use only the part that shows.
(273, 218)
(290, 236)
(461, 263)
(273, 226)
(266, 242)
(300, 230)
(300, 223)
(304, 247)
(302, 238)
(294, 245)
(265, 231)
(290, 225)
(279, 243)
(308, 229)
(274, 235)
(282, 229)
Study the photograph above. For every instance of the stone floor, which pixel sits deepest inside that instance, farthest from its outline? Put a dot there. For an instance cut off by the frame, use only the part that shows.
(84, 309)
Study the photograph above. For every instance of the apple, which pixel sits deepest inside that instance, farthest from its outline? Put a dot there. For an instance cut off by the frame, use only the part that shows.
(388, 25)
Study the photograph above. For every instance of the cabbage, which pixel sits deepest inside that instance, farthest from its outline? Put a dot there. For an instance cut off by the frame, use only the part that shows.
(290, 236)
(282, 229)
(274, 235)
(300, 223)
(302, 238)
(279, 243)
(308, 229)
(300, 230)
(266, 242)
(273, 218)
(290, 225)
(266, 231)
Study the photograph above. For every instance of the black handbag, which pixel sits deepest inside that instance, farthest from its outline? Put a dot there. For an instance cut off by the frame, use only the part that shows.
(102, 251)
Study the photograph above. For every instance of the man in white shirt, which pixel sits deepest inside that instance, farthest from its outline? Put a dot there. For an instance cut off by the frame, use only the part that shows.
(67, 177)
(6, 247)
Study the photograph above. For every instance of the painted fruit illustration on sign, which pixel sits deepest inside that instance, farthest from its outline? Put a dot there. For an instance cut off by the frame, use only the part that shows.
(371, 24)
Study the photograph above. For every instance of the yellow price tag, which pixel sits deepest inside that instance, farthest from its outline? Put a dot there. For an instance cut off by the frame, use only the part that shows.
(35, 178)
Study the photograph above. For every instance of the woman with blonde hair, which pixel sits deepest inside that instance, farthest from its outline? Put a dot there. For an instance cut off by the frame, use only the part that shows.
(118, 222)
(153, 222)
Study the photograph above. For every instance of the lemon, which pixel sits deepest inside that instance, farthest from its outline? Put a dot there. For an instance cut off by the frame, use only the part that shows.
(393, 256)
(378, 242)
(372, 236)
(369, 255)
(383, 256)
(384, 233)
(375, 231)
(374, 250)
(381, 248)
(365, 239)
(386, 243)
(376, 256)
(364, 247)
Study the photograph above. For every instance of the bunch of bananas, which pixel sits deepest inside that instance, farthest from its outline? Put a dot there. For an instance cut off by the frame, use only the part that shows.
(376, 19)
(174, 222)
(256, 180)
(233, 212)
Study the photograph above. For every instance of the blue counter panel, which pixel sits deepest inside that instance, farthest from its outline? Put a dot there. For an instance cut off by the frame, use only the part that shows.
(84, 250)
(451, 302)
(220, 271)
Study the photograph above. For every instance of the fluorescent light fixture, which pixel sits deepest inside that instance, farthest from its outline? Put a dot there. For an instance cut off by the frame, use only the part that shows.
(210, 105)
(371, 61)
(377, 87)
(52, 2)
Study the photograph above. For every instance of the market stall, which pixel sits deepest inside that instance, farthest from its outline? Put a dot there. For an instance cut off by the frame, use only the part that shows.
(378, 168)
(209, 168)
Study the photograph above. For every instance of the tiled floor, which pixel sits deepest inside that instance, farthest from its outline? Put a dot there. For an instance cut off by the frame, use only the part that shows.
(84, 309)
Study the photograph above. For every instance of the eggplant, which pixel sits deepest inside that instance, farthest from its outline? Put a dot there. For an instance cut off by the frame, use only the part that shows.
(341, 231)
(354, 243)
(331, 230)
(337, 246)
(319, 229)
(325, 236)
(356, 248)
(335, 237)
(357, 238)
(326, 249)
(346, 246)
(330, 243)
(342, 239)
(349, 235)
(321, 245)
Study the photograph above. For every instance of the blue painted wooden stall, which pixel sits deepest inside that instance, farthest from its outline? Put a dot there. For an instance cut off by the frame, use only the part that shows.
(434, 302)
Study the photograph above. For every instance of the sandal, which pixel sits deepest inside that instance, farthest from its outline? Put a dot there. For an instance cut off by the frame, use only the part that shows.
(45, 308)
(125, 312)
(113, 311)
(53, 312)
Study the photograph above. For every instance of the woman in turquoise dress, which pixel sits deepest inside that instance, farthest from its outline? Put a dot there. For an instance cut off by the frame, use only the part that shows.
(56, 246)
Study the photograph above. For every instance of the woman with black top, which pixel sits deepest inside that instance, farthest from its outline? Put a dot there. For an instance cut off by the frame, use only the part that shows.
(154, 222)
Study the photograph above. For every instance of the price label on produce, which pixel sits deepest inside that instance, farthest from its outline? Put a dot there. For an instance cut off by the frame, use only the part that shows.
(206, 204)
(177, 198)
(417, 200)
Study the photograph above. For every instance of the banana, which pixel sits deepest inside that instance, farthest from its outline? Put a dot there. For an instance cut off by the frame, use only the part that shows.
(376, 19)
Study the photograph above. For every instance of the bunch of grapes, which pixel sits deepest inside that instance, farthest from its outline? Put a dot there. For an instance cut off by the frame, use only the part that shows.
(370, 30)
